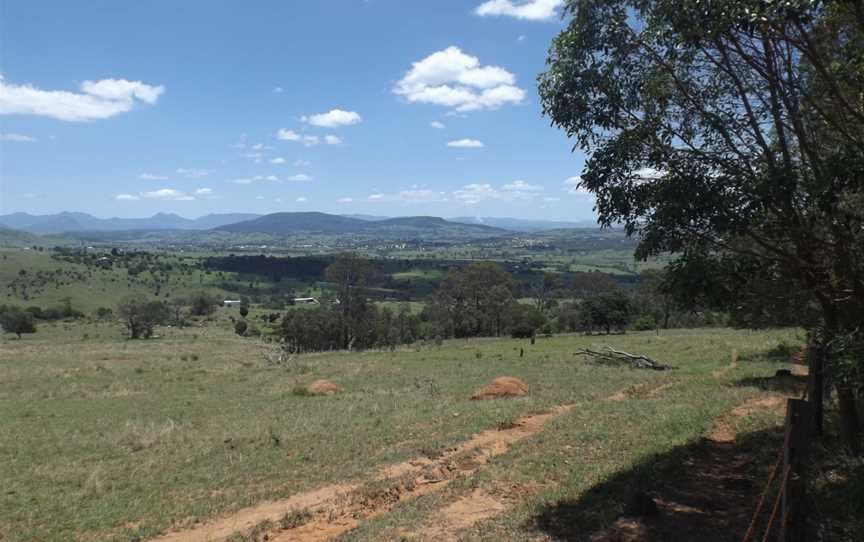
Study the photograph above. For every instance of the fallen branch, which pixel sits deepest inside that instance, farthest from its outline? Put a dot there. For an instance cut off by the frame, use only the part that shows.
(617, 357)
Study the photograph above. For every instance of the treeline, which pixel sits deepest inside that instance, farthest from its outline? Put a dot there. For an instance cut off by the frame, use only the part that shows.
(480, 299)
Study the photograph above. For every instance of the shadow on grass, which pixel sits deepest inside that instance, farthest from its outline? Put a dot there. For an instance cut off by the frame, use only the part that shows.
(783, 381)
(704, 491)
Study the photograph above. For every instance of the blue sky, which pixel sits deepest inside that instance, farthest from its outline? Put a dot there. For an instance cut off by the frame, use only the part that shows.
(387, 107)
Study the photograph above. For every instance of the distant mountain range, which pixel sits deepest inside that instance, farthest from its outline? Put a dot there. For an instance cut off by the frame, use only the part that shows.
(284, 223)
(70, 222)
(77, 222)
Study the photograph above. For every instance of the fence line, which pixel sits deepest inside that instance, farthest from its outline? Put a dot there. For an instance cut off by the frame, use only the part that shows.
(790, 493)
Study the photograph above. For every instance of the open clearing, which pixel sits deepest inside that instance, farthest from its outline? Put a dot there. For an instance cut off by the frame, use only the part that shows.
(191, 436)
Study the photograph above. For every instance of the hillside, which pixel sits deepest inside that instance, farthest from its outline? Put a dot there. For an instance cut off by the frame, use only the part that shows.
(287, 223)
(16, 238)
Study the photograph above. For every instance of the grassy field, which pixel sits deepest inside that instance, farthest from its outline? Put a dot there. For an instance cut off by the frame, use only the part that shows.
(107, 439)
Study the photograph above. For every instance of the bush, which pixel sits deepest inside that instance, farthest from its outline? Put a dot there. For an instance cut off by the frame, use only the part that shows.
(17, 321)
(240, 327)
(202, 304)
(645, 323)
(140, 315)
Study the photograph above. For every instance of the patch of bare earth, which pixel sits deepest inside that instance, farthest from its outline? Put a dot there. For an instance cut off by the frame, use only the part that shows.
(332, 510)
(714, 495)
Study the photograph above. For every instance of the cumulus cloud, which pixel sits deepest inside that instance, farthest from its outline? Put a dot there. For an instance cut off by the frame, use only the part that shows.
(308, 140)
(301, 199)
(531, 10)
(333, 119)
(573, 185)
(192, 173)
(287, 135)
(152, 177)
(437, 125)
(97, 100)
(475, 193)
(522, 186)
(255, 179)
(300, 177)
(167, 194)
(345, 200)
(204, 192)
(126, 197)
(17, 138)
(454, 79)
(278, 160)
(466, 144)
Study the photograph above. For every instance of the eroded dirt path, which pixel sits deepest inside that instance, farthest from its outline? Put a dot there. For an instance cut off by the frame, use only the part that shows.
(332, 510)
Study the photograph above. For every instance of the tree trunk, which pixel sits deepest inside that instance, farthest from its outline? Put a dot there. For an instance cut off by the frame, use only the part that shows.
(850, 427)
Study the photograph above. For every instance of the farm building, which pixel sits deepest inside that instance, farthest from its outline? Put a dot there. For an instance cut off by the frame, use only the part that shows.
(231, 303)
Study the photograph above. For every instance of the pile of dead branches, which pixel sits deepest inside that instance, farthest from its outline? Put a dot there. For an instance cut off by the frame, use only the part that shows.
(610, 356)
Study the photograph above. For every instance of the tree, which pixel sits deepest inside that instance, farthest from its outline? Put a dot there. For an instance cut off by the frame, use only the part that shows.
(349, 273)
(606, 311)
(735, 139)
(472, 301)
(202, 304)
(140, 315)
(543, 290)
(244, 311)
(16, 320)
(240, 327)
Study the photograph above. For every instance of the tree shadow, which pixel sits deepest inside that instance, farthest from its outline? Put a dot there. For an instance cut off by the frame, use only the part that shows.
(782, 381)
(705, 490)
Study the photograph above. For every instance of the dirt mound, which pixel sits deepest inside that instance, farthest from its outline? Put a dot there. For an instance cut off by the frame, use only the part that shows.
(503, 386)
(322, 387)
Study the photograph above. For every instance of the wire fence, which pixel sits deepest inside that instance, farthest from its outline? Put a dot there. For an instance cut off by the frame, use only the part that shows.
(787, 519)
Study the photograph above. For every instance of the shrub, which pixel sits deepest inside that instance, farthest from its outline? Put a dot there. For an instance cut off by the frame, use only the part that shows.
(17, 321)
(140, 315)
(240, 327)
(645, 323)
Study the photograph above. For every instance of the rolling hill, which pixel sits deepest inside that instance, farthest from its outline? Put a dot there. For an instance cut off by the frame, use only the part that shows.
(286, 223)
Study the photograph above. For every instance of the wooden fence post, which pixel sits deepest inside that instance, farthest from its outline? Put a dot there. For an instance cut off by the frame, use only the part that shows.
(799, 421)
(816, 384)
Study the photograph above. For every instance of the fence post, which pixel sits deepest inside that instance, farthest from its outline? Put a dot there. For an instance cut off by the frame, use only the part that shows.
(799, 420)
(816, 384)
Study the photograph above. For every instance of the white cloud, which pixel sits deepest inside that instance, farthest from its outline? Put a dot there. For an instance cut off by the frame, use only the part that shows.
(345, 200)
(152, 177)
(126, 197)
(287, 135)
(521, 38)
(17, 138)
(475, 193)
(333, 118)
(302, 163)
(531, 10)
(278, 90)
(278, 160)
(522, 186)
(648, 174)
(466, 144)
(573, 185)
(255, 179)
(308, 140)
(192, 173)
(301, 199)
(98, 100)
(167, 194)
(204, 192)
(300, 177)
(437, 125)
(453, 79)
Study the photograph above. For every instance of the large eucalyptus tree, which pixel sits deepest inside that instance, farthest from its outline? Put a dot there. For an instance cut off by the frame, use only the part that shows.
(729, 132)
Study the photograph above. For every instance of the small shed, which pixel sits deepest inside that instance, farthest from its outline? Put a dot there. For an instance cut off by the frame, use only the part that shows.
(231, 303)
